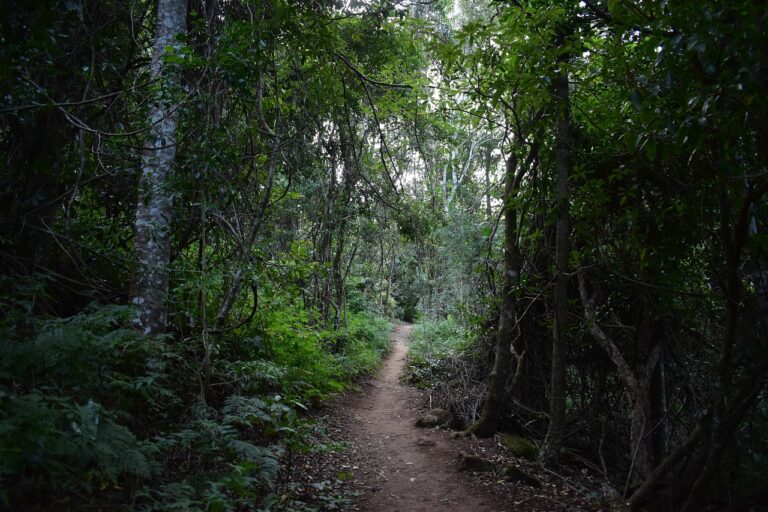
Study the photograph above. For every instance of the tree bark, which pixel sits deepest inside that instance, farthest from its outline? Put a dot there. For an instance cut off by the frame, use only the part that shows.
(155, 203)
(564, 160)
(488, 164)
(659, 411)
(731, 249)
(348, 183)
(509, 329)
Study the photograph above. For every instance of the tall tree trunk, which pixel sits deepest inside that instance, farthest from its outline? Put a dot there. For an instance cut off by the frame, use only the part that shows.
(155, 203)
(659, 411)
(444, 180)
(731, 249)
(343, 211)
(37, 178)
(488, 164)
(509, 330)
(563, 157)
(324, 245)
(390, 277)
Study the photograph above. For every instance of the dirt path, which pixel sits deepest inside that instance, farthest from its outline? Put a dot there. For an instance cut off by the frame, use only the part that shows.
(400, 470)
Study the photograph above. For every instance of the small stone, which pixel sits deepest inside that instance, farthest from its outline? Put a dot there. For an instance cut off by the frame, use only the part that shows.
(425, 441)
(434, 418)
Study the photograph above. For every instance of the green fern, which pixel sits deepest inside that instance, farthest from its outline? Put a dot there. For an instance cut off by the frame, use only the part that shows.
(120, 452)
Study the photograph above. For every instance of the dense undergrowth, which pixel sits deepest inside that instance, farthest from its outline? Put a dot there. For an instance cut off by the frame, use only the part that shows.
(450, 361)
(584, 182)
(93, 415)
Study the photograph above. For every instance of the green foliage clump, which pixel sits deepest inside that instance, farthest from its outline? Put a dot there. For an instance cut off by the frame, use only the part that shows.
(293, 345)
(93, 412)
(362, 345)
(309, 362)
(67, 397)
(433, 342)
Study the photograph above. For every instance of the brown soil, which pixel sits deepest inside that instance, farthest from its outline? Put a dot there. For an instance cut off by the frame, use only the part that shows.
(404, 475)
(389, 465)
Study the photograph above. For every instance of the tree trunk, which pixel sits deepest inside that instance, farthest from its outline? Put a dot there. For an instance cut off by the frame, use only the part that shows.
(324, 244)
(35, 165)
(488, 164)
(348, 183)
(637, 387)
(155, 203)
(554, 439)
(495, 397)
(390, 277)
(731, 250)
(659, 411)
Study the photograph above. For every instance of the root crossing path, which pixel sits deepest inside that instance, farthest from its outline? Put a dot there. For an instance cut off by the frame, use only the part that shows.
(405, 469)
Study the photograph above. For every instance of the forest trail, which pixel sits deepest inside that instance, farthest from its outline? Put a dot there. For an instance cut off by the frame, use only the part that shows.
(403, 471)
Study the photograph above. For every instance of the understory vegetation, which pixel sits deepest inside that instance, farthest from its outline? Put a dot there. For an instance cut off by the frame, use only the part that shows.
(451, 362)
(98, 415)
(211, 213)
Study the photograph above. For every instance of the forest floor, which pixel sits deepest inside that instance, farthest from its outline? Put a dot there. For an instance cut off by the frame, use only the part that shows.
(379, 461)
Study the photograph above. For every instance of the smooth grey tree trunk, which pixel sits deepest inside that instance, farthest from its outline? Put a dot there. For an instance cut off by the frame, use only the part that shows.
(154, 209)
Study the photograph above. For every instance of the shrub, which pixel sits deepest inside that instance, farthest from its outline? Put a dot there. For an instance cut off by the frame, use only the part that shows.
(432, 343)
(63, 396)
(93, 413)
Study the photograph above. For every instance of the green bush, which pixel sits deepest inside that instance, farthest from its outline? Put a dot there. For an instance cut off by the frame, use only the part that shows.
(310, 362)
(65, 397)
(310, 372)
(432, 343)
(366, 340)
(92, 412)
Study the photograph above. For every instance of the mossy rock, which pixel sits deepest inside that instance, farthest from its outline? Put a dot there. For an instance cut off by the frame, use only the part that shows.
(519, 446)
(469, 462)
